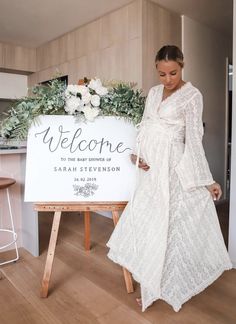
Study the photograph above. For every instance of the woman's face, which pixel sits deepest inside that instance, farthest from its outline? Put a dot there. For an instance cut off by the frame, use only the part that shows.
(170, 74)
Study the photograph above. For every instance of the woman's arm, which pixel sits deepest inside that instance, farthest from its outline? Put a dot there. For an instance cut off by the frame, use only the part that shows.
(141, 164)
(193, 169)
(215, 190)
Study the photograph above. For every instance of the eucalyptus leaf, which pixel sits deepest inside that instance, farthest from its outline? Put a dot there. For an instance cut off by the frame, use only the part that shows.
(122, 100)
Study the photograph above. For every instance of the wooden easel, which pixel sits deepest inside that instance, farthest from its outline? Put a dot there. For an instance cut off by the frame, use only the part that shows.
(58, 208)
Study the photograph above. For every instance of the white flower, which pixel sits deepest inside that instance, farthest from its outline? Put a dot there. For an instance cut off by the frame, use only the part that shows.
(73, 104)
(102, 91)
(90, 113)
(72, 89)
(82, 89)
(86, 97)
(79, 98)
(95, 100)
(94, 84)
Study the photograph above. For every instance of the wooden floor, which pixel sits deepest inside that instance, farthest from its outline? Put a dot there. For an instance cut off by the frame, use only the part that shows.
(88, 288)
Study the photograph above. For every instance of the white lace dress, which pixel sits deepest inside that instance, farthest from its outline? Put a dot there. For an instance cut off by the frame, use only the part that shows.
(169, 236)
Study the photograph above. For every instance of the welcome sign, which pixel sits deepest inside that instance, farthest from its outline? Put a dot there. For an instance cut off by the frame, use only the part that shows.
(70, 160)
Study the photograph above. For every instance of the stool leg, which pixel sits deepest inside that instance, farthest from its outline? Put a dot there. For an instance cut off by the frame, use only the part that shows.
(12, 225)
(12, 230)
(127, 274)
(50, 255)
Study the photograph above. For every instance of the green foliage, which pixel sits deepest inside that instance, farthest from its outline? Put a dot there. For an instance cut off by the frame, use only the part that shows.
(123, 101)
(46, 100)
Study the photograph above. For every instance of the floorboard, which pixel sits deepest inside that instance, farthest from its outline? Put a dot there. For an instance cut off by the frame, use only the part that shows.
(86, 287)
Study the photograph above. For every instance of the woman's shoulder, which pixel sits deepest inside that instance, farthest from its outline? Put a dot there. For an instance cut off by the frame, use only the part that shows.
(191, 91)
(153, 90)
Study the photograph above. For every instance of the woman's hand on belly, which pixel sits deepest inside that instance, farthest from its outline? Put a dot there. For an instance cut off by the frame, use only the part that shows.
(215, 190)
(142, 164)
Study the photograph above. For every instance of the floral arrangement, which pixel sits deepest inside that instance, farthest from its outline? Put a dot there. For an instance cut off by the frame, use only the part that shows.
(87, 100)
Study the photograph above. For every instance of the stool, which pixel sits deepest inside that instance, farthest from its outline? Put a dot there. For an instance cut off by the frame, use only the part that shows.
(5, 183)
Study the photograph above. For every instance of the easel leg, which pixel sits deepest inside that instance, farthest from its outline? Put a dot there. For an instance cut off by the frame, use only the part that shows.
(50, 255)
(87, 230)
(127, 274)
(115, 217)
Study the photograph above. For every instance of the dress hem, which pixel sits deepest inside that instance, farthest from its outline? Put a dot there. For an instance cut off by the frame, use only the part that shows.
(198, 290)
(201, 287)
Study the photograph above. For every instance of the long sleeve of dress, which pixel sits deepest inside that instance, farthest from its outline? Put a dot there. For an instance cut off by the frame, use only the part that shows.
(193, 169)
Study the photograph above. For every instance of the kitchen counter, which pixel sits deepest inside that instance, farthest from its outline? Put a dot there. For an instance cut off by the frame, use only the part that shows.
(13, 151)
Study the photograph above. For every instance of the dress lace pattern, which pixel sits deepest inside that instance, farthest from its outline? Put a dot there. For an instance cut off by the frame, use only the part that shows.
(169, 237)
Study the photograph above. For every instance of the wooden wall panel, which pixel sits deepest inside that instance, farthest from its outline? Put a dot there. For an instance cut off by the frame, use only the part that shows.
(120, 45)
(93, 36)
(32, 80)
(54, 52)
(105, 38)
(62, 50)
(81, 42)
(17, 58)
(93, 65)
(71, 45)
(82, 68)
(42, 57)
(134, 19)
(160, 27)
(135, 62)
(118, 25)
(100, 48)
(108, 62)
(73, 71)
(77, 69)
(1, 55)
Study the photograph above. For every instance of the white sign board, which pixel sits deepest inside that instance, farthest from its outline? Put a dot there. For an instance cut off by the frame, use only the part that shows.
(70, 160)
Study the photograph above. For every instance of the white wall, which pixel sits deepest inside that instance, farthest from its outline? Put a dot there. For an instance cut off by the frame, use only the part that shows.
(13, 86)
(232, 214)
(205, 52)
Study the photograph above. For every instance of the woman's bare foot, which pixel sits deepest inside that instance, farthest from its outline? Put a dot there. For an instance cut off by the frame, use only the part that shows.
(139, 301)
